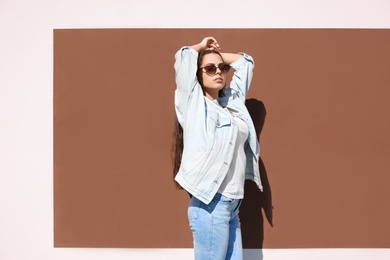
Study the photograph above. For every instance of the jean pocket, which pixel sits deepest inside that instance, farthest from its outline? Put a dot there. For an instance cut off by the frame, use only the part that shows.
(226, 199)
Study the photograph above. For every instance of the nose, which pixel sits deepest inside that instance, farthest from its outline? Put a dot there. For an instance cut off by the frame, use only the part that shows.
(218, 71)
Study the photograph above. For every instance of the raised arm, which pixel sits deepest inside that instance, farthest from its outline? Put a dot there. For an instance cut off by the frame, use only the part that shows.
(229, 58)
(243, 72)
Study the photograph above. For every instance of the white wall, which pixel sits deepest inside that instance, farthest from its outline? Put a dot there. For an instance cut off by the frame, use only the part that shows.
(26, 89)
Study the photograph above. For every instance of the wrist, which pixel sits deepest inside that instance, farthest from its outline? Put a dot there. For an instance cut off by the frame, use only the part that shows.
(197, 47)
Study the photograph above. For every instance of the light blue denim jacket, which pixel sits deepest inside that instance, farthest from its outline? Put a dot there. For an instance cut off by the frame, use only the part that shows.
(208, 129)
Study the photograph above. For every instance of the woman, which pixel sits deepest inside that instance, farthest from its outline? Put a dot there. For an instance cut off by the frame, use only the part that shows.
(220, 147)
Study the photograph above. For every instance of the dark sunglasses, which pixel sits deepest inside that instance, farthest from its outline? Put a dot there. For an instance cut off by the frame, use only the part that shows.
(211, 69)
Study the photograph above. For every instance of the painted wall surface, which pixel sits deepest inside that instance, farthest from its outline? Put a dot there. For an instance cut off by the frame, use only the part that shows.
(26, 102)
(318, 99)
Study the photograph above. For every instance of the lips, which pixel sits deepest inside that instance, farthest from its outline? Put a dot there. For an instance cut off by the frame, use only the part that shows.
(218, 80)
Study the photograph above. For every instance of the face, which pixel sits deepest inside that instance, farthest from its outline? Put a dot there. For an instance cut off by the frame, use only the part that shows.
(212, 84)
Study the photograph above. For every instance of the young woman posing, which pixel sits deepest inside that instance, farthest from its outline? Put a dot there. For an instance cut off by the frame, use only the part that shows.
(216, 146)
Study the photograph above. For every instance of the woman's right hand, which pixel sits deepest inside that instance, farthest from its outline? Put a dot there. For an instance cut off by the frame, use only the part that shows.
(208, 43)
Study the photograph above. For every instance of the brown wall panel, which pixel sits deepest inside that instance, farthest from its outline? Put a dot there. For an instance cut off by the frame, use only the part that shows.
(319, 99)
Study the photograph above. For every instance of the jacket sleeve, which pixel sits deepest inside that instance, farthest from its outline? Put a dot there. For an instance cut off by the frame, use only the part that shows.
(186, 80)
(242, 78)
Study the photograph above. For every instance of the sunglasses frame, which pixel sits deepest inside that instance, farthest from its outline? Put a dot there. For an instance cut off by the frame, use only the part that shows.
(211, 69)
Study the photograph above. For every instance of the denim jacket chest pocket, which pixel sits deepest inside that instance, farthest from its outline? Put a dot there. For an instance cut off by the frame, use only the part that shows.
(218, 127)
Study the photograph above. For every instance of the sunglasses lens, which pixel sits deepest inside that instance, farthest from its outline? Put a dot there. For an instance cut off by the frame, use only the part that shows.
(210, 69)
(224, 68)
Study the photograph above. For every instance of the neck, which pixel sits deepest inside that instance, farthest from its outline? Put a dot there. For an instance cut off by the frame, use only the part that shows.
(212, 95)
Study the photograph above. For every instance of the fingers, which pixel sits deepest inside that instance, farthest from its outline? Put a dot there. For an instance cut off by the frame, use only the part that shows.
(212, 43)
(215, 46)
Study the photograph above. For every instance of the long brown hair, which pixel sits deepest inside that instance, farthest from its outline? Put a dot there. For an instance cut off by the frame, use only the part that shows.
(177, 149)
(178, 142)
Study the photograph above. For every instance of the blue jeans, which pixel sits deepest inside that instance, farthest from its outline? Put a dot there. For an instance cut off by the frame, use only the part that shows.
(216, 228)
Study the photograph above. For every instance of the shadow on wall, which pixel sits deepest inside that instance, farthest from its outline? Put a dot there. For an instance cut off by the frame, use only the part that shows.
(252, 220)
